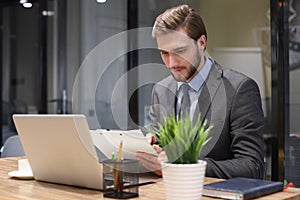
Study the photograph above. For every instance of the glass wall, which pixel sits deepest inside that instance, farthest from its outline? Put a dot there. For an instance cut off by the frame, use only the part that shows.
(91, 70)
(111, 87)
(96, 59)
(71, 56)
(292, 143)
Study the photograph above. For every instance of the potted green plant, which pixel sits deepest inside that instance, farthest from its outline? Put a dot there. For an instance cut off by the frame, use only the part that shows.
(182, 141)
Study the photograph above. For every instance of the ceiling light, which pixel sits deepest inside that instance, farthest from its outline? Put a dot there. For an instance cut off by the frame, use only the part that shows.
(101, 1)
(27, 5)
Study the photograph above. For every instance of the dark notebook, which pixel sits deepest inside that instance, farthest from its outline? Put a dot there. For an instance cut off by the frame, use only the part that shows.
(241, 188)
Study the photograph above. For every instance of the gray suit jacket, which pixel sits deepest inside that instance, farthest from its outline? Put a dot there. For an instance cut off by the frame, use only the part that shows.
(231, 102)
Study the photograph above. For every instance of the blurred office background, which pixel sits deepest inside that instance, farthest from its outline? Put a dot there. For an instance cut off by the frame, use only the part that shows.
(76, 56)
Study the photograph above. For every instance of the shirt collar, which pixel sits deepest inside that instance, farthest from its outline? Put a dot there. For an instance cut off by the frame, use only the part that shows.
(200, 77)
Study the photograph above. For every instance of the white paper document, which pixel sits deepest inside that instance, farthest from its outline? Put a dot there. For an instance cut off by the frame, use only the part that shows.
(108, 141)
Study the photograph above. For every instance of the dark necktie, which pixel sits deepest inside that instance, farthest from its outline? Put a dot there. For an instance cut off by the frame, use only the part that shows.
(185, 101)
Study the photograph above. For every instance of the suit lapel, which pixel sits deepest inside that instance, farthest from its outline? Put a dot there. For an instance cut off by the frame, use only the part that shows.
(208, 92)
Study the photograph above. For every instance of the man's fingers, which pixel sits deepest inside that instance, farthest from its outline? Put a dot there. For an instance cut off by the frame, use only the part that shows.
(162, 157)
(157, 148)
(150, 138)
(150, 162)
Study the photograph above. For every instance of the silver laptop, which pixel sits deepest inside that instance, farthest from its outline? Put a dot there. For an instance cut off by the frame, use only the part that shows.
(60, 149)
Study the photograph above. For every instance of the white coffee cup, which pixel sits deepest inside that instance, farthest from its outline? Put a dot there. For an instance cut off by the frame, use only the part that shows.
(24, 166)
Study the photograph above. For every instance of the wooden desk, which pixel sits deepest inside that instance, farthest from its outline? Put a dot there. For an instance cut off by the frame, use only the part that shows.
(12, 189)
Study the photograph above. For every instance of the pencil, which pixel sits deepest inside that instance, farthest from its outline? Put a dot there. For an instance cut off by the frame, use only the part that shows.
(120, 151)
(117, 183)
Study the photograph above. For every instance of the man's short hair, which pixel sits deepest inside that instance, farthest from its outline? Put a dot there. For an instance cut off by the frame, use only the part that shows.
(180, 17)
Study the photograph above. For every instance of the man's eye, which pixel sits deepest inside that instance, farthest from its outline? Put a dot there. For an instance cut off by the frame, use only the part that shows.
(163, 53)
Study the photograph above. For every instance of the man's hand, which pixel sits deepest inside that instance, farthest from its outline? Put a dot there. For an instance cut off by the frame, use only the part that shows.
(152, 162)
(149, 161)
(152, 140)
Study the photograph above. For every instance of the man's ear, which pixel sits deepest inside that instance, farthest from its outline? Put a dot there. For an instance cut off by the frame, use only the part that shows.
(202, 42)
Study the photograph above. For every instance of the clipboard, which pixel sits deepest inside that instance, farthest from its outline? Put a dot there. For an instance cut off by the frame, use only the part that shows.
(108, 141)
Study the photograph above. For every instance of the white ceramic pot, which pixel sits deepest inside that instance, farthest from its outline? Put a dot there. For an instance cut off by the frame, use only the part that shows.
(183, 181)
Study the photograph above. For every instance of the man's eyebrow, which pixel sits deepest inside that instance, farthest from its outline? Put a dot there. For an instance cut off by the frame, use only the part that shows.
(162, 50)
(173, 50)
(180, 48)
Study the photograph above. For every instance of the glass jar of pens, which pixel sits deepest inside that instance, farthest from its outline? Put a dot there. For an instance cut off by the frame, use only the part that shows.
(121, 177)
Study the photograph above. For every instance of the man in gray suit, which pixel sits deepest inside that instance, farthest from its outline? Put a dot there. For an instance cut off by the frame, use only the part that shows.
(227, 99)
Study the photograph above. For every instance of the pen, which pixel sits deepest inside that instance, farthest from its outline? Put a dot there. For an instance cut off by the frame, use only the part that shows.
(113, 156)
(287, 185)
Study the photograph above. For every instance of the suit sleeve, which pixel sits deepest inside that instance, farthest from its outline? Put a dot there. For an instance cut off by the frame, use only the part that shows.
(246, 123)
(154, 108)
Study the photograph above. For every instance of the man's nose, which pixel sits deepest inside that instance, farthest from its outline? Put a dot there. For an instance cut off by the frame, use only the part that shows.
(173, 60)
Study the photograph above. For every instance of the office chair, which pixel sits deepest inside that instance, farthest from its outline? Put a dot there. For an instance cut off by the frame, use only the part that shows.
(12, 147)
